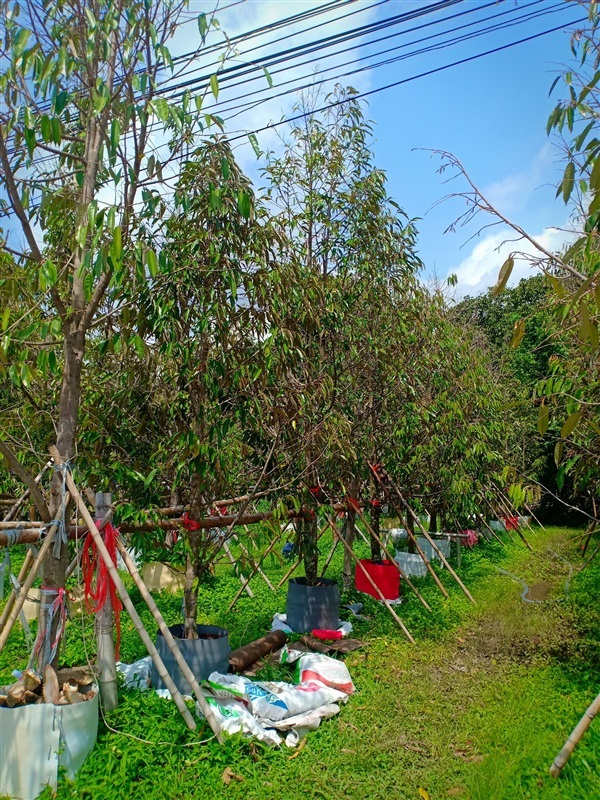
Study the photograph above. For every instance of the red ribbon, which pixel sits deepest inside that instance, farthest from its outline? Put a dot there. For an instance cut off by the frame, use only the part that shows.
(189, 524)
(95, 596)
(315, 490)
(375, 502)
(353, 504)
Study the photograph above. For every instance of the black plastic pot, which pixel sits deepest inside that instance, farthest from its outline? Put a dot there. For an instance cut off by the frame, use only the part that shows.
(202, 655)
(310, 607)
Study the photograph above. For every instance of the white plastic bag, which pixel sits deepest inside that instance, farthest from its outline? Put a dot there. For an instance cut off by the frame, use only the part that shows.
(325, 670)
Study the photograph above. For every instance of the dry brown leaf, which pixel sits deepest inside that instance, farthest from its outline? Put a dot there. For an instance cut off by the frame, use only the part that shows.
(229, 775)
(300, 748)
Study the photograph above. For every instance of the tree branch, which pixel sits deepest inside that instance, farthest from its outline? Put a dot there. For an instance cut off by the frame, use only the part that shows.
(28, 480)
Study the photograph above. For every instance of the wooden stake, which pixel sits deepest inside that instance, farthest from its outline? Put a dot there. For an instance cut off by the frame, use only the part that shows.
(126, 600)
(170, 639)
(240, 575)
(434, 546)
(103, 624)
(241, 589)
(358, 562)
(26, 586)
(517, 529)
(575, 737)
(413, 539)
(392, 560)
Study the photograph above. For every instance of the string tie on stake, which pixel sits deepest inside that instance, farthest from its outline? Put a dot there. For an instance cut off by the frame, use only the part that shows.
(61, 533)
(189, 524)
(353, 504)
(95, 596)
(57, 608)
(13, 536)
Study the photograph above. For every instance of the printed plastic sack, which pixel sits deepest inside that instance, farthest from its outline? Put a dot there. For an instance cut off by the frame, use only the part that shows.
(326, 670)
(273, 700)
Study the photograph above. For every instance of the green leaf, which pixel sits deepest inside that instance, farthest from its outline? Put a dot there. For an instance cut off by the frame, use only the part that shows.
(20, 40)
(152, 262)
(5, 318)
(115, 135)
(558, 453)
(244, 203)
(139, 345)
(268, 77)
(46, 129)
(214, 85)
(202, 26)
(595, 176)
(225, 168)
(570, 425)
(255, 146)
(518, 333)
(568, 181)
(60, 102)
(503, 276)
(543, 419)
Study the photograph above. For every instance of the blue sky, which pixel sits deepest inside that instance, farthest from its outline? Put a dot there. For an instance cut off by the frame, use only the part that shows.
(491, 113)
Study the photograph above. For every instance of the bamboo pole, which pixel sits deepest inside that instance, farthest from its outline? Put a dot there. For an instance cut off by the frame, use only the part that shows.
(436, 549)
(413, 539)
(240, 574)
(492, 509)
(575, 737)
(170, 639)
(392, 560)
(126, 600)
(241, 589)
(103, 624)
(519, 532)
(358, 562)
(491, 530)
(29, 524)
(329, 559)
(256, 568)
(26, 586)
(25, 567)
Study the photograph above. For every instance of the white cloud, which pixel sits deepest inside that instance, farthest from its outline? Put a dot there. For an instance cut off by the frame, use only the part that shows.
(479, 270)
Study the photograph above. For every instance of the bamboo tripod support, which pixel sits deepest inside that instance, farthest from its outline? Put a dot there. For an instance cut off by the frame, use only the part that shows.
(392, 560)
(357, 561)
(28, 583)
(173, 646)
(507, 511)
(256, 567)
(575, 737)
(126, 600)
(240, 575)
(434, 546)
(252, 574)
(413, 538)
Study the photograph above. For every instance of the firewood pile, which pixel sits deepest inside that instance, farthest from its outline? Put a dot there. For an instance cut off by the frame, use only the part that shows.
(62, 689)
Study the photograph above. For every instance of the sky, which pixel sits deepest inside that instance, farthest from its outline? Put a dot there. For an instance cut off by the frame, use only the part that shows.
(490, 112)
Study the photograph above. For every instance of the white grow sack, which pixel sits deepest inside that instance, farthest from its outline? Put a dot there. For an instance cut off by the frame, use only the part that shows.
(36, 739)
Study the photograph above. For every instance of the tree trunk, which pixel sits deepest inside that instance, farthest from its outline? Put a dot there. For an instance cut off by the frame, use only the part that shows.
(433, 519)
(375, 525)
(54, 567)
(307, 531)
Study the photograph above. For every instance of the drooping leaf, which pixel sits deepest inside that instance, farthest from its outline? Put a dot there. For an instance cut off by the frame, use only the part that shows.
(503, 276)
(570, 424)
(543, 418)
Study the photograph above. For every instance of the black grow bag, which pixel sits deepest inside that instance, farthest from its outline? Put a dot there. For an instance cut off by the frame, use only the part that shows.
(203, 655)
(310, 607)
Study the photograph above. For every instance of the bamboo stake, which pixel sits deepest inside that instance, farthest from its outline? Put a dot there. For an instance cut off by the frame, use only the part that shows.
(519, 532)
(329, 559)
(491, 530)
(358, 562)
(126, 600)
(253, 562)
(534, 516)
(293, 568)
(413, 538)
(492, 509)
(575, 737)
(241, 589)
(403, 575)
(26, 586)
(29, 524)
(25, 566)
(437, 550)
(240, 575)
(170, 639)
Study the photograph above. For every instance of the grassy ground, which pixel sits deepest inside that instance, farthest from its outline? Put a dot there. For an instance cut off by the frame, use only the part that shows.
(477, 709)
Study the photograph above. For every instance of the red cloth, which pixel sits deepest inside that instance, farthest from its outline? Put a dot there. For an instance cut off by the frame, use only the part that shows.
(93, 565)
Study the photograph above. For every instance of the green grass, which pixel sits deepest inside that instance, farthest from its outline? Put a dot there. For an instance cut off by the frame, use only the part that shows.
(477, 709)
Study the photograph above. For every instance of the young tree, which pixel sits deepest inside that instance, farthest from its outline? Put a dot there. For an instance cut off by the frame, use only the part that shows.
(86, 130)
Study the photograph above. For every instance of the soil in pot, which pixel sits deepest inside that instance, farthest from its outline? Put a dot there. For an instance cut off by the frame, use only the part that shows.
(310, 607)
(384, 574)
(208, 653)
